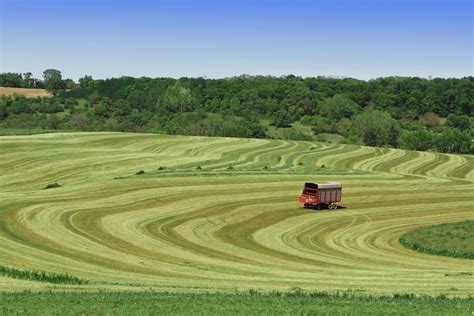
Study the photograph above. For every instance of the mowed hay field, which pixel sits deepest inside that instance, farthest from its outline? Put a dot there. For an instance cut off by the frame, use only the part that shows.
(29, 93)
(222, 214)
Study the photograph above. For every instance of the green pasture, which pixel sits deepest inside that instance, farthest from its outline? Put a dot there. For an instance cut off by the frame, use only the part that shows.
(454, 240)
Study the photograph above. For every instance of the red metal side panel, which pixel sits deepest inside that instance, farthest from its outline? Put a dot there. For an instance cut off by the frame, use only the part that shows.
(323, 196)
(330, 195)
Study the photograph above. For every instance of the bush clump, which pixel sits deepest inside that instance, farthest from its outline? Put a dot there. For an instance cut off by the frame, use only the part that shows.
(52, 186)
(41, 276)
(140, 172)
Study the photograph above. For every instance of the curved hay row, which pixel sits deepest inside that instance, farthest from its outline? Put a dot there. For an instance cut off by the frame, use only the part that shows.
(220, 228)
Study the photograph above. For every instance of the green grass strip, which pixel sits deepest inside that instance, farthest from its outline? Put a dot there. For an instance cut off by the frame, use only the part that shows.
(41, 276)
(451, 240)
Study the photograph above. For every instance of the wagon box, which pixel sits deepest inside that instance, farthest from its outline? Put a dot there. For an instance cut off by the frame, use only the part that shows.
(321, 194)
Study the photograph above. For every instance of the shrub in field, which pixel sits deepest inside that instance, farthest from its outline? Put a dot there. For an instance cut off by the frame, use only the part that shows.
(140, 172)
(52, 186)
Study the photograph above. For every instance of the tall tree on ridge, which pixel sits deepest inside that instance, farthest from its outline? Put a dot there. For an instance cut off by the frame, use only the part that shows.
(53, 81)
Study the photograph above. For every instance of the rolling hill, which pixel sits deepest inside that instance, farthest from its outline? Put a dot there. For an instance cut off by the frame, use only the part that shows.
(219, 214)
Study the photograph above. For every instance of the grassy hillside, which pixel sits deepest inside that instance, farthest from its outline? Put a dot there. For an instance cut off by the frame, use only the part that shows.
(29, 93)
(219, 214)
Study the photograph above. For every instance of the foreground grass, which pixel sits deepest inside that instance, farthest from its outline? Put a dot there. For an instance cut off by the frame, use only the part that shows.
(452, 240)
(249, 303)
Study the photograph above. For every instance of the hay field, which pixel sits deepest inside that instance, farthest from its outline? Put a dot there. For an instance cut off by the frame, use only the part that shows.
(29, 93)
(232, 223)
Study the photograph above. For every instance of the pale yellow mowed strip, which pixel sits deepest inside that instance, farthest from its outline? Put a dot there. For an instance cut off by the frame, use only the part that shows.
(177, 229)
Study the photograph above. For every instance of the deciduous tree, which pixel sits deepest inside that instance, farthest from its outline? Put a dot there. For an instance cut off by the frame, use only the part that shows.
(53, 81)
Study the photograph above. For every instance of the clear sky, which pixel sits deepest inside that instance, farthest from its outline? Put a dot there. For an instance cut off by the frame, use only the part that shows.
(358, 38)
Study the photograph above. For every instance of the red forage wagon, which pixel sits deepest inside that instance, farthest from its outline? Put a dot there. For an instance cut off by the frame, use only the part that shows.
(321, 195)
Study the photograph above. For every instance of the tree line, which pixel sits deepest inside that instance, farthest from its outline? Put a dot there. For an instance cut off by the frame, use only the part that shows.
(52, 81)
(406, 112)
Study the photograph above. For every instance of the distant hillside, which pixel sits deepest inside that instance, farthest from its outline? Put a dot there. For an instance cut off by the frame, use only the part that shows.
(29, 93)
(399, 112)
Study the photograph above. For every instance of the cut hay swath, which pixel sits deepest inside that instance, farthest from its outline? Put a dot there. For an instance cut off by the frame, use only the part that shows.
(185, 228)
(29, 93)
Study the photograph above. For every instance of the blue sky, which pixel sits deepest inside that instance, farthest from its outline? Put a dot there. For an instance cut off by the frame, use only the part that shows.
(358, 38)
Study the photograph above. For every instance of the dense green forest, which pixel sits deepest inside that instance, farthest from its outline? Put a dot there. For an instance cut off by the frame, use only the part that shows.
(407, 112)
